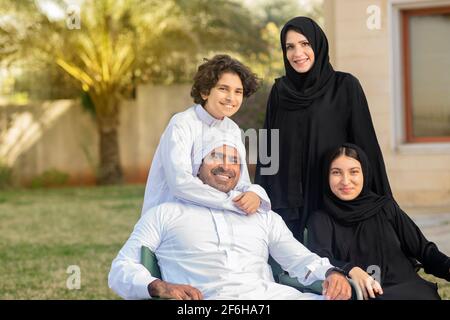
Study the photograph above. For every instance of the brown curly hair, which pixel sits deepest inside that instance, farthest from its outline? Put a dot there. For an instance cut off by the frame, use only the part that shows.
(210, 71)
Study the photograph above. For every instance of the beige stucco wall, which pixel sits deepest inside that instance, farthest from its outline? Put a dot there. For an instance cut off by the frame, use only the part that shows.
(419, 174)
(69, 141)
(142, 126)
(66, 143)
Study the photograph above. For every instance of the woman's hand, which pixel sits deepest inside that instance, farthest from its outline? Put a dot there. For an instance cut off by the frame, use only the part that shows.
(369, 286)
(248, 202)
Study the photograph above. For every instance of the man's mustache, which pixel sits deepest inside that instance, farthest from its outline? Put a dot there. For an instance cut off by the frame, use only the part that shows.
(222, 171)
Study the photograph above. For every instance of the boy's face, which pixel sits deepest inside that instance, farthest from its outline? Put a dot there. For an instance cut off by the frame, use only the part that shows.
(225, 98)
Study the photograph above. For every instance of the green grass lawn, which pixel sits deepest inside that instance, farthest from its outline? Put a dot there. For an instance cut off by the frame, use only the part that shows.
(43, 232)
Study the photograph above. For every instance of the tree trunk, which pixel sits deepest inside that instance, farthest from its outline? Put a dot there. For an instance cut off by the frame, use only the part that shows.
(110, 171)
(107, 116)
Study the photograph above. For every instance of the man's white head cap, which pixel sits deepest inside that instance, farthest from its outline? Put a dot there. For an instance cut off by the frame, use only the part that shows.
(213, 139)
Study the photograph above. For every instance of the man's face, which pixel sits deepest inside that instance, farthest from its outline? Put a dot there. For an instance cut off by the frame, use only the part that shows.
(221, 168)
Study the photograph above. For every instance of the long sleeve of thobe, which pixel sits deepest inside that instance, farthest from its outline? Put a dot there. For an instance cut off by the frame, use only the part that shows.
(293, 257)
(128, 277)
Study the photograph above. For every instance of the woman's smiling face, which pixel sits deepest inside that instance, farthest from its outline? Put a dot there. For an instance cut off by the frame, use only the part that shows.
(346, 178)
(299, 51)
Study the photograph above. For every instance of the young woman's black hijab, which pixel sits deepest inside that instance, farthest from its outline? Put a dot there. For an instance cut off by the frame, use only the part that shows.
(364, 206)
(366, 214)
(298, 90)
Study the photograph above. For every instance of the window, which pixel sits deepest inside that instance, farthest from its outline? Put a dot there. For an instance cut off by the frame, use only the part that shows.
(426, 48)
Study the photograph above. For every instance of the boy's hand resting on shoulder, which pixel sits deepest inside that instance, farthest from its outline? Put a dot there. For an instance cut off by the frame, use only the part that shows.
(248, 202)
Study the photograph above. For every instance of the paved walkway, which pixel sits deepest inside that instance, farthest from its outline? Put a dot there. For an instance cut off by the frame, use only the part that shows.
(434, 225)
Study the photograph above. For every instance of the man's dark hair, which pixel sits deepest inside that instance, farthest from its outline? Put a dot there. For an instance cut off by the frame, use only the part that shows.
(211, 70)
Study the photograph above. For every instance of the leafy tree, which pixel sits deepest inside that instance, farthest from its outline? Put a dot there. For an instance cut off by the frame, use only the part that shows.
(120, 43)
(14, 25)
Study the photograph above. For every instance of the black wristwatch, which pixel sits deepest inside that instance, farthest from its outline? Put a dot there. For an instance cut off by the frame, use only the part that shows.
(334, 269)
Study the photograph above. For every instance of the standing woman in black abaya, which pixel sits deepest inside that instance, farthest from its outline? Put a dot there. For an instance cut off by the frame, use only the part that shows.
(314, 108)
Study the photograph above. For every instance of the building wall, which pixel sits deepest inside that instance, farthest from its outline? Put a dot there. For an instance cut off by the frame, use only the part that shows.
(66, 143)
(141, 128)
(419, 173)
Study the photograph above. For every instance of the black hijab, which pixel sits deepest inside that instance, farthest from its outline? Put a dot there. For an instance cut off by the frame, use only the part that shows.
(369, 244)
(329, 109)
(364, 206)
(298, 90)
(371, 230)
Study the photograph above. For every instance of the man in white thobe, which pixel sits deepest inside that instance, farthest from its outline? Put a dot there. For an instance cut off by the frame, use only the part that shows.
(219, 87)
(170, 176)
(218, 254)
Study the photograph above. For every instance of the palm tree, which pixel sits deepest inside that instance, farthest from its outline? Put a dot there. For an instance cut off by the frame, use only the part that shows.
(121, 42)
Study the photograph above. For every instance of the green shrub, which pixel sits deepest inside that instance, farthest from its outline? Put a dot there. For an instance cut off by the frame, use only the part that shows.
(50, 178)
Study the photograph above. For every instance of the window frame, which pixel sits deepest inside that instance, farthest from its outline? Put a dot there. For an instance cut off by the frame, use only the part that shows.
(407, 91)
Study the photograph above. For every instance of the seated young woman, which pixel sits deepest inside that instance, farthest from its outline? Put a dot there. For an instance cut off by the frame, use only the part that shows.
(362, 232)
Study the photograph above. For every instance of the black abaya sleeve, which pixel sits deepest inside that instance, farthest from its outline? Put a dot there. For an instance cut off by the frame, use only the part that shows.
(262, 180)
(362, 133)
(321, 240)
(415, 245)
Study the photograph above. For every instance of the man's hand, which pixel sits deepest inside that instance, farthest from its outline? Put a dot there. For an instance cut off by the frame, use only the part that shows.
(248, 202)
(166, 290)
(369, 286)
(336, 287)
